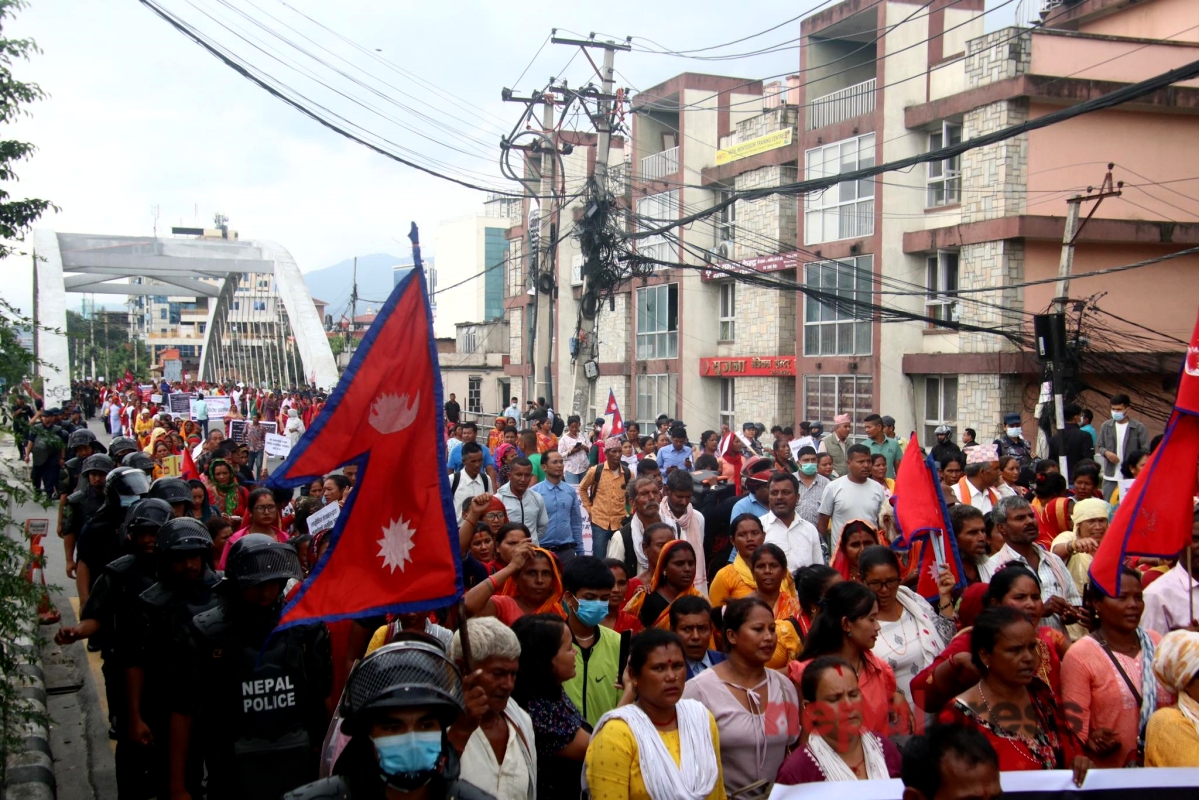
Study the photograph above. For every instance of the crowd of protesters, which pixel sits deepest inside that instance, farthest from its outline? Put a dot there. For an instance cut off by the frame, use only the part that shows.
(647, 614)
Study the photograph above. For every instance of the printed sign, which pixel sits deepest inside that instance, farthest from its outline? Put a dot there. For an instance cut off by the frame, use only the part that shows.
(277, 445)
(37, 527)
(324, 519)
(218, 406)
(172, 371)
(237, 429)
(760, 144)
(179, 404)
(771, 263)
(172, 466)
(747, 366)
(156, 398)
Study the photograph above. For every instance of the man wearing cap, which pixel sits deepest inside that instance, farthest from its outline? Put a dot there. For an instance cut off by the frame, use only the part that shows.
(756, 478)
(1013, 443)
(889, 431)
(1071, 441)
(749, 433)
(977, 486)
(945, 448)
(880, 443)
(602, 493)
(836, 443)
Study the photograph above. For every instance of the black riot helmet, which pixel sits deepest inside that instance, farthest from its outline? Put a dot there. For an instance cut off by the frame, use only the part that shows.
(257, 558)
(80, 438)
(98, 463)
(124, 487)
(402, 675)
(121, 446)
(139, 460)
(146, 513)
(173, 490)
(184, 535)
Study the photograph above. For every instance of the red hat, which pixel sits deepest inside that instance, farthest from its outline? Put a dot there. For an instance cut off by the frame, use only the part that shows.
(496, 505)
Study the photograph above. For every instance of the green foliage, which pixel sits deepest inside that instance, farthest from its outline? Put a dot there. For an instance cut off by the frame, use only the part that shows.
(18, 599)
(112, 352)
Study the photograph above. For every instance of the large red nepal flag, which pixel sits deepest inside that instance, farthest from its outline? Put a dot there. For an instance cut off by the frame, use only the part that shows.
(1155, 517)
(394, 547)
(921, 514)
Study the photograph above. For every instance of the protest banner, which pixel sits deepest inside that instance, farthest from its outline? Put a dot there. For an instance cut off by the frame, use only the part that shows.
(179, 403)
(172, 466)
(324, 519)
(277, 446)
(156, 398)
(237, 429)
(218, 406)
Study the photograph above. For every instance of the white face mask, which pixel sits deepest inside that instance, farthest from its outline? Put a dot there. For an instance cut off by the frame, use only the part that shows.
(1014, 433)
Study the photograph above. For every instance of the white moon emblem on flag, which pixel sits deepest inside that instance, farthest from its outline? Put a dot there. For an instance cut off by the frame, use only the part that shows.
(395, 548)
(392, 413)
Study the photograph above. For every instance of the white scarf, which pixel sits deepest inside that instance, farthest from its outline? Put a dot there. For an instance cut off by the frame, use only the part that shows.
(694, 777)
(690, 526)
(835, 768)
(931, 643)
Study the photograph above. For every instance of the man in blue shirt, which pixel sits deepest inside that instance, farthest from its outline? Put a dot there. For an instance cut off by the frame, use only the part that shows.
(512, 412)
(678, 455)
(468, 432)
(564, 534)
(756, 480)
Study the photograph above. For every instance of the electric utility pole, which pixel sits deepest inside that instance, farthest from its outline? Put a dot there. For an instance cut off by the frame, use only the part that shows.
(1062, 289)
(600, 186)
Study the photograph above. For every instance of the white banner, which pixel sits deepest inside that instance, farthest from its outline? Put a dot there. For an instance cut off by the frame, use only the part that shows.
(277, 445)
(324, 519)
(218, 407)
(156, 398)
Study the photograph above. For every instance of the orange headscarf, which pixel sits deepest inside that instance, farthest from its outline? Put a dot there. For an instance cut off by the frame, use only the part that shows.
(639, 597)
(553, 604)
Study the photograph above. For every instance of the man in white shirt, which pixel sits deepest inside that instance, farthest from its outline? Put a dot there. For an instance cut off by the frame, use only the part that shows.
(796, 536)
(470, 480)
(1170, 599)
(977, 487)
(512, 412)
(852, 496)
(1016, 521)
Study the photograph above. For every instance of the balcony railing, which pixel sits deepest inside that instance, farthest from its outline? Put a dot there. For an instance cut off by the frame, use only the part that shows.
(660, 165)
(852, 101)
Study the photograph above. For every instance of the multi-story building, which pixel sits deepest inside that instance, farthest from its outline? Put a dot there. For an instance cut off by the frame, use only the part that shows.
(472, 368)
(470, 273)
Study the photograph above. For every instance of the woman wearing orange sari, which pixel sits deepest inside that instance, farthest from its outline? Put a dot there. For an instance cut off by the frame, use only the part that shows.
(776, 589)
(529, 584)
(674, 577)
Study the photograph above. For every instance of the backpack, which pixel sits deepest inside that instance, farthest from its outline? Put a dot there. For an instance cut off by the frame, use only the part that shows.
(458, 478)
(624, 473)
(557, 426)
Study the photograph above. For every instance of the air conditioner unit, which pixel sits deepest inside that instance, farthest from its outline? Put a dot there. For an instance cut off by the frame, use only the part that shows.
(725, 250)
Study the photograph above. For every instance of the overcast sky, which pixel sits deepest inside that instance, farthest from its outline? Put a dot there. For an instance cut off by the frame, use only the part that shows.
(141, 118)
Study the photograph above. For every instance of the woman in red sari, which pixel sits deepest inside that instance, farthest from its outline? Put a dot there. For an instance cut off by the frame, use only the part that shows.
(1005, 653)
(674, 577)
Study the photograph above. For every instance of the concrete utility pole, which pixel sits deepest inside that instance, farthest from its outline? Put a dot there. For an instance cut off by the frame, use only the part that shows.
(603, 126)
(547, 226)
(1062, 287)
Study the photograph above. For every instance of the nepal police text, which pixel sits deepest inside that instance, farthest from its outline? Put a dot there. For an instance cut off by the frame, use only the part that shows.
(267, 694)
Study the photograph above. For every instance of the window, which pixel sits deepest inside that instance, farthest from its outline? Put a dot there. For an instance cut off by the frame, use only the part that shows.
(655, 211)
(726, 403)
(515, 269)
(260, 305)
(826, 396)
(162, 313)
(658, 321)
(264, 284)
(235, 305)
(728, 304)
(942, 286)
(474, 394)
(468, 339)
(846, 210)
(159, 298)
(203, 326)
(655, 395)
(940, 404)
(945, 177)
(726, 222)
(837, 328)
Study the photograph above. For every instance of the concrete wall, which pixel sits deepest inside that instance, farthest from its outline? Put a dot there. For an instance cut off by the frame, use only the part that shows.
(461, 252)
(1160, 19)
(836, 64)
(1108, 60)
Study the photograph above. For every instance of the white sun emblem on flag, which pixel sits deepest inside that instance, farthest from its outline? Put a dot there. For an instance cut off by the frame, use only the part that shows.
(395, 548)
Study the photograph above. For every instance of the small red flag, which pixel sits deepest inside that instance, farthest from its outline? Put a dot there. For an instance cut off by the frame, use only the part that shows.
(921, 513)
(1155, 518)
(187, 469)
(394, 547)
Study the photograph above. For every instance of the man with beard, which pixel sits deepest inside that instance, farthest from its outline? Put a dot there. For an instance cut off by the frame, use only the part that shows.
(970, 529)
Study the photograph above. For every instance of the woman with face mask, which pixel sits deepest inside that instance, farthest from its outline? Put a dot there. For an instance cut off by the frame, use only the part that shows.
(838, 748)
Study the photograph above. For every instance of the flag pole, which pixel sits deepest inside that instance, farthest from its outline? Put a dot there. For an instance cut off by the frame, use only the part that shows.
(1190, 578)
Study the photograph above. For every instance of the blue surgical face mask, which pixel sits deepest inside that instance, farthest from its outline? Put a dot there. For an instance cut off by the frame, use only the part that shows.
(1014, 433)
(409, 752)
(592, 612)
(1118, 416)
(807, 469)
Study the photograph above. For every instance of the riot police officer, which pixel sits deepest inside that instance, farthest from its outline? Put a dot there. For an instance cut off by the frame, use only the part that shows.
(111, 609)
(139, 460)
(251, 697)
(81, 444)
(121, 446)
(175, 491)
(184, 589)
(399, 702)
(84, 503)
(99, 539)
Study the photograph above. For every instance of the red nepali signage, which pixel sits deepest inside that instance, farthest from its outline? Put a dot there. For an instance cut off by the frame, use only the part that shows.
(747, 367)
(746, 266)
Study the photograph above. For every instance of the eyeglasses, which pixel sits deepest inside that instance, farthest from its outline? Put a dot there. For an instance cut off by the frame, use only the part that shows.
(267, 509)
(495, 516)
(891, 585)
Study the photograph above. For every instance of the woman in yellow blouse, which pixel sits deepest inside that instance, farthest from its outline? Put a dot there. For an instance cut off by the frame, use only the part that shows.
(1172, 736)
(659, 747)
(775, 589)
(737, 580)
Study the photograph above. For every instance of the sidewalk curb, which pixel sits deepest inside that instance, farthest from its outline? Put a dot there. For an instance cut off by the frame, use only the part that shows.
(31, 771)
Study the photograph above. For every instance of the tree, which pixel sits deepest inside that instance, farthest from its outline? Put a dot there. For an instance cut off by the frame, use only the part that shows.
(16, 219)
(113, 352)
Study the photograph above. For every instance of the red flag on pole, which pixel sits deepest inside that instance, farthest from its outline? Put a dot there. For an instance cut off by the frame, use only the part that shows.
(187, 468)
(921, 514)
(394, 547)
(612, 408)
(617, 428)
(1155, 518)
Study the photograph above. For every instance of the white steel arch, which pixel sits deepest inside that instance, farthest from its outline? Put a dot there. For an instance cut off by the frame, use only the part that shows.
(278, 340)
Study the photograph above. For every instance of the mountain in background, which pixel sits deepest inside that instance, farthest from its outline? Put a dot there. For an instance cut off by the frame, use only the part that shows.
(332, 284)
